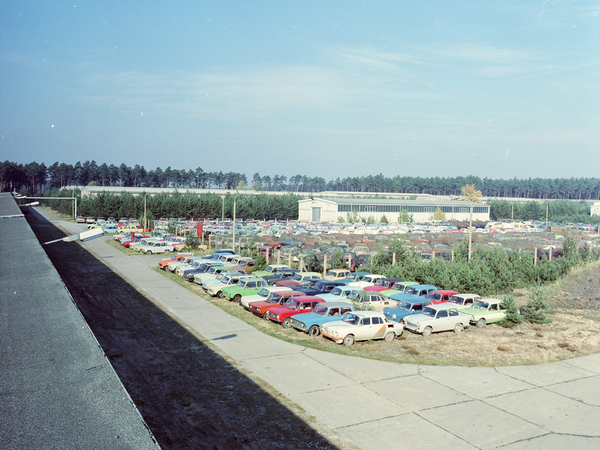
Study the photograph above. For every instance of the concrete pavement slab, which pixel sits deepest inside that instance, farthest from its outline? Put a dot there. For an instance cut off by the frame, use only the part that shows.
(586, 390)
(545, 374)
(347, 406)
(408, 431)
(553, 441)
(551, 411)
(481, 424)
(296, 373)
(251, 344)
(589, 362)
(416, 393)
(363, 370)
(475, 382)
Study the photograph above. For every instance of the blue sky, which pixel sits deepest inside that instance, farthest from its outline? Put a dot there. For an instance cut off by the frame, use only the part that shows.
(331, 88)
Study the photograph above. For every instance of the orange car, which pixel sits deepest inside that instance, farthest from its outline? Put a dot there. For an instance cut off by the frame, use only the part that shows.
(163, 263)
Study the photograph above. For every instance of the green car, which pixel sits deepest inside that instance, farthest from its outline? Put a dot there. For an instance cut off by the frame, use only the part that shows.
(487, 310)
(248, 286)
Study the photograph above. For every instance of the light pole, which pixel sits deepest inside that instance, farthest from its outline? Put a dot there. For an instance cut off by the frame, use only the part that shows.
(234, 200)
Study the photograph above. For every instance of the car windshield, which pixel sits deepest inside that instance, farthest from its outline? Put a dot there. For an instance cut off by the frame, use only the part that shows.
(429, 312)
(404, 305)
(434, 296)
(270, 269)
(457, 300)
(273, 297)
(292, 304)
(351, 319)
(412, 291)
(381, 282)
(481, 305)
(297, 277)
(337, 291)
(264, 292)
(332, 274)
(320, 310)
(320, 286)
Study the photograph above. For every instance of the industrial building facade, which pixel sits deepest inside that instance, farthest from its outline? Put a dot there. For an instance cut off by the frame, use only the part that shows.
(336, 209)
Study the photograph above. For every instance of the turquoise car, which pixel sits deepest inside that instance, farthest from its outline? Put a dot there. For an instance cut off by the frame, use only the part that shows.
(322, 313)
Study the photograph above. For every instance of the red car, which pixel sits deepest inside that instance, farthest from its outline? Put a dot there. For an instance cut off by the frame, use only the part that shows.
(443, 296)
(283, 314)
(383, 284)
(274, 299)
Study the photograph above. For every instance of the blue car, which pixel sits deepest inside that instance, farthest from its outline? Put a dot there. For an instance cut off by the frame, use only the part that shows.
(406, 308)
(322, 313)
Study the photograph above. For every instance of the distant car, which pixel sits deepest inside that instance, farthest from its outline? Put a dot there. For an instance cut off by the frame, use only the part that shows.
(435, 318)
(487, 310)
(361, 326)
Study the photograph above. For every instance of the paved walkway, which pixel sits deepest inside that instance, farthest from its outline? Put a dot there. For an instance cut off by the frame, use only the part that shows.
(375, 405)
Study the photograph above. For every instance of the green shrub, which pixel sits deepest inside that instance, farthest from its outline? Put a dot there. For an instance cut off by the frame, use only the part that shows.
(513, 318)
(537, 308)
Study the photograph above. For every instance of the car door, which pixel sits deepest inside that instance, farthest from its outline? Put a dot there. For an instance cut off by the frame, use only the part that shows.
(380, 302)
(366, 330)
(442, 321)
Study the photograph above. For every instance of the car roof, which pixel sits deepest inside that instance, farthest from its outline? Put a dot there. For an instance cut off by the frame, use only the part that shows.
(443, 306)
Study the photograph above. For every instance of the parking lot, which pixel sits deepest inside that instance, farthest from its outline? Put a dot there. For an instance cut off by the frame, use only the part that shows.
(350, 402)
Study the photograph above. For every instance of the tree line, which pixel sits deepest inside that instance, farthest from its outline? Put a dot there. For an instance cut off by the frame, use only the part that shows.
(178, 205)
(34, 177)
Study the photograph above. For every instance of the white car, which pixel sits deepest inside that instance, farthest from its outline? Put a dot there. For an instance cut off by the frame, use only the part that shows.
(434, 318)
(157, 247)
(361, 326)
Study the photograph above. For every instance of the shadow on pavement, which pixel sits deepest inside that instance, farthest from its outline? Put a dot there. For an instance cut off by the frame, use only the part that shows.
(189, 396)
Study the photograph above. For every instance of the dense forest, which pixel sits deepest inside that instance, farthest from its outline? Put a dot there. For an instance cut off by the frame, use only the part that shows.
(37, 177)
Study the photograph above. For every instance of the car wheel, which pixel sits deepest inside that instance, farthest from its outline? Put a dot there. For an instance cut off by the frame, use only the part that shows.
(315, 330)
(287, 322)
(149, 252)
(237, 298)
(220, 294)
(481, 323)
(266, 317)
(458, 327)
(389, 337)
(427, 331)
(349, 340)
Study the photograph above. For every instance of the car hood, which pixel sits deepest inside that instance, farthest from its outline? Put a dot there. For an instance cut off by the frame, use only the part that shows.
(331, 297)
(399, 312)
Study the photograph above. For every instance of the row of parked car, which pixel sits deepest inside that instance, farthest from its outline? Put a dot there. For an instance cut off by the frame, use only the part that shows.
(342, 306)
(150, 244)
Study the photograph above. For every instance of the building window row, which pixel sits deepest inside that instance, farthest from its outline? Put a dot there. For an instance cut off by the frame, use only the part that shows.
(411, 209)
